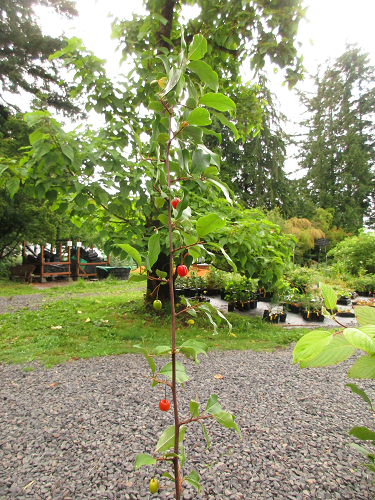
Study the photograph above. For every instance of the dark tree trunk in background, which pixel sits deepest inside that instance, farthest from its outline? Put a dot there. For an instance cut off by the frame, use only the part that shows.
(162, 264)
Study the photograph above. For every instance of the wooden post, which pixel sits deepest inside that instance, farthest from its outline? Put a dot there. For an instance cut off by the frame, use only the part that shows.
(78, 252)
(24, 260)
(108, 259)
(69, 264)
(42, 279)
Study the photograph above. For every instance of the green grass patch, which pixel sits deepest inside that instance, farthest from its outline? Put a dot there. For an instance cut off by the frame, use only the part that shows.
(76, 326)
(10, 288)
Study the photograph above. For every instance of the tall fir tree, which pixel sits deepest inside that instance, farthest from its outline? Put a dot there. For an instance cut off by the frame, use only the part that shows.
(254, 168)
(24, 52)
(338, 152)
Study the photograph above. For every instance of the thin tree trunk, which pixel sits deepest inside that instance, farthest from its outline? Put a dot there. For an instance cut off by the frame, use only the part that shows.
(173, 313)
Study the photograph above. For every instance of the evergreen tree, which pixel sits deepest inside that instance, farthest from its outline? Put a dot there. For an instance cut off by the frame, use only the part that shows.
(338, 151)
(24, 52)
(254, 168)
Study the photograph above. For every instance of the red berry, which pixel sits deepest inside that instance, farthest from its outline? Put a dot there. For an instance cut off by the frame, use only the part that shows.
(175, 202)
(164, 405)
(182, 270)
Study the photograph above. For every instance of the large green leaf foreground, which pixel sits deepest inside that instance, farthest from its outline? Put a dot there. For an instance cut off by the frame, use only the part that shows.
(322, 348)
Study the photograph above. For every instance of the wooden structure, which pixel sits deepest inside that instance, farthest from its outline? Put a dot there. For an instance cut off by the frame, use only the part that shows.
(70, 268)
(81, 266)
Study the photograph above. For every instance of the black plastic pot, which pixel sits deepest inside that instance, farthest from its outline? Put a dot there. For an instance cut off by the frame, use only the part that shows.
(253, 304)
(203, 298)
(230, 307)
(282, 317)
(306, 315)
(246, 306)
(239, 306)
(345, 314)
(343, 301)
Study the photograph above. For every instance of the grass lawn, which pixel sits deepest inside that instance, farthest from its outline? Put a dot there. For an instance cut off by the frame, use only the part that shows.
(72, 324)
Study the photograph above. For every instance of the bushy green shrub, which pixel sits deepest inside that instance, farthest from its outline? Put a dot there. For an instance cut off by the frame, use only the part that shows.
(356, 254)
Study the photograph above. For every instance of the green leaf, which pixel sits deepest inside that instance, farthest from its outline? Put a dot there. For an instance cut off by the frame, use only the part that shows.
(148, 358)
(199, 162)
(68, 151)
(217, 101)
(224, 120)
(172, 81)
(228, 259)
(191, 348)
(200, 117)
(194, 408)
(208, 224)
(193, 480)
(166, 440)
(162, 138)
(166, 474)
(360, 392)
(81, 199)
(163, 219)
(361, 450)
(159, 202)
(207, 131)
(337, 351)
(362, 433)
(137, 278)
(143, 459)
(359, 340)
(224, 188)
(13, 186)
(181, 375)
(132, 252)
(365, 315)
(160, 18)
(213, 406)
(192, 312)
(156, 106)
(162, 349)
(192, 132)
(329, 296)
(227, 421)
(183, 456)
(197, 48)
(153, 249)
(311, 345)
(205, 73)
(205, 434)
(363, 368)
(161, 274)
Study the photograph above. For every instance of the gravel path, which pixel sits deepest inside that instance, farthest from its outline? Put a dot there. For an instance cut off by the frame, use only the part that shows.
(73, 431)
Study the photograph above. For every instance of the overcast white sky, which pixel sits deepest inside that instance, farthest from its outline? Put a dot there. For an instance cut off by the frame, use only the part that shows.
(331, 24)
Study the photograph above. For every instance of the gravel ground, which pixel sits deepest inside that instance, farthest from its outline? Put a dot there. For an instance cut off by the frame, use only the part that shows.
(73, 431)
(16, 302)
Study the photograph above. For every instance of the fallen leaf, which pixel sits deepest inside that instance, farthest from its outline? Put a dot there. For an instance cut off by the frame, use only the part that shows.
(56, 327)
(233, 335)
(79, 312)
(218, 376)
(53, 384)
(88, 320)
